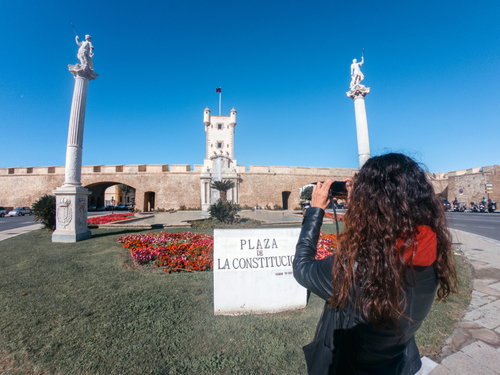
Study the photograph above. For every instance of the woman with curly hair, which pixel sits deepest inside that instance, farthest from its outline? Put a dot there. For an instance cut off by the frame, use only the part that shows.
(393, 255)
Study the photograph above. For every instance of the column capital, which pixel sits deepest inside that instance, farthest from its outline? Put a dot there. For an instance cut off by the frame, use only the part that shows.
(357, 91)
(80, 71)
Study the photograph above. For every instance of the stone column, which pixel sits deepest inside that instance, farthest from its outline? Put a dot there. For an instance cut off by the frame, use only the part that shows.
(72, 198)
(358, 93)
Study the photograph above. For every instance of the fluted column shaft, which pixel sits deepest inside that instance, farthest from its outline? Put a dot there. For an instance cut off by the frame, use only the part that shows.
(73, 168)
(358, 93)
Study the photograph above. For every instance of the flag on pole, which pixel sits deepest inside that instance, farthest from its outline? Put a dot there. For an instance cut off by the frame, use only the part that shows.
(218, 90)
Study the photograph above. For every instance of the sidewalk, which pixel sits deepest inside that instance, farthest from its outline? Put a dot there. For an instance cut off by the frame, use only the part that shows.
(17, 231)
(474, 346)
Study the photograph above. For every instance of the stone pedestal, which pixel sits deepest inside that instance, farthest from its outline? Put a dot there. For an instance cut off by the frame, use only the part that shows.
(71, 214)
(72, 198)
(358, 93)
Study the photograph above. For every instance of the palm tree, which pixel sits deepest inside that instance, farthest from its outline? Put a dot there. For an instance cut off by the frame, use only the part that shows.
(44, 211)
(222, 187)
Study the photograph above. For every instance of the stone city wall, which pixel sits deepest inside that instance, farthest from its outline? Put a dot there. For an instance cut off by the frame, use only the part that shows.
(177, 185)
(263, 185)
(173, 185)
(472, 183)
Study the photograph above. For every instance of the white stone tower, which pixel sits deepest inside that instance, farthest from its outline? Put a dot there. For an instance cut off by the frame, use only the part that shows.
(220, 133)
(219, 163)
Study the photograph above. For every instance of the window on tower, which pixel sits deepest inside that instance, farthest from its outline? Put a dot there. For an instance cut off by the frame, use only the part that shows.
(219, 145)
(219, 126)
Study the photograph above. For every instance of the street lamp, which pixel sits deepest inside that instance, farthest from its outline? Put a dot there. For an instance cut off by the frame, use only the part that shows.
(112, 205)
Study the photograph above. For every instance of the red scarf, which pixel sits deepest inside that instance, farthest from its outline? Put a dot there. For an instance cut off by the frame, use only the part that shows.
(426, 247)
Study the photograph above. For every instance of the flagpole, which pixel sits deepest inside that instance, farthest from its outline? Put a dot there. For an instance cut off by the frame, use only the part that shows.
(220, 100)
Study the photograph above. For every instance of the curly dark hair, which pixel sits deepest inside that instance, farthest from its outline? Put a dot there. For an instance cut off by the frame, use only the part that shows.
(390, 198)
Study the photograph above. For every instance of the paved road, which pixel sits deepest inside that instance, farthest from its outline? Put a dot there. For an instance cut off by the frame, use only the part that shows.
(487, 225)
(8, 223)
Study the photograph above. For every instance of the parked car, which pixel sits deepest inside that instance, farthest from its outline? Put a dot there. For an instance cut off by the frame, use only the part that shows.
(92, 208)
(446, 205)
(101, 208)
(110, 208)
(2, 212)
(20, 211)
(120, 207)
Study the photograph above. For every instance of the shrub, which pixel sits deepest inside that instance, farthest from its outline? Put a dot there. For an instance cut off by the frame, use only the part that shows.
(44, 211)
(277, 207)
(182, 208)
(211, 223)
(224, 211)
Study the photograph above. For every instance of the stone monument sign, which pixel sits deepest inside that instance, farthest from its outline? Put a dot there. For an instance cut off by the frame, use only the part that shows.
(253, 271)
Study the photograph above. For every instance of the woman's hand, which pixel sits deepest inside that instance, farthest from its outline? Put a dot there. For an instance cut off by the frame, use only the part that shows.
(348, 186)
(320, 194)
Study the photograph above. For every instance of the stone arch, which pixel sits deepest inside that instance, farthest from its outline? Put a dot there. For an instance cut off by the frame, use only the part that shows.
(98, 189)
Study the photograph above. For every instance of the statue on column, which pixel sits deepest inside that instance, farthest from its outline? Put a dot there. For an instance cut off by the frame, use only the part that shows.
(85, 52)
(356, 74)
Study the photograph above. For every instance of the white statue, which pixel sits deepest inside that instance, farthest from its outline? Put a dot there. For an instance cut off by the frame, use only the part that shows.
(356, 74)
(85, 52)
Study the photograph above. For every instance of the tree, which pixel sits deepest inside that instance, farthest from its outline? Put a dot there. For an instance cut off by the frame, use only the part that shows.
(44, 211)
(307, 193)
(222, 187)
(127, 190)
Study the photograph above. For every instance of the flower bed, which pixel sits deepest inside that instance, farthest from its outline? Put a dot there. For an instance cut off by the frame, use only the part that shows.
(330, 215)
(184, 251)
(108, 218)
(193, 252)
(327, 244)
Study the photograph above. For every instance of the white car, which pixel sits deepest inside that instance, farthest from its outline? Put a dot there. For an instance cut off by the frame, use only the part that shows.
(20, 211)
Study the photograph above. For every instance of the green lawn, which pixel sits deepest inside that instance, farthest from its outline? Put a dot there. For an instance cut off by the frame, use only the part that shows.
(86, 308)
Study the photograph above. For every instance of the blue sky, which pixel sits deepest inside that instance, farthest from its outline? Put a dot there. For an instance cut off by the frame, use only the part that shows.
(433, 69)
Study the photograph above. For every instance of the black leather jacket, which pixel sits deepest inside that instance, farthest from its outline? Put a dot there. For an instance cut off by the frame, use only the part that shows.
(364, 348)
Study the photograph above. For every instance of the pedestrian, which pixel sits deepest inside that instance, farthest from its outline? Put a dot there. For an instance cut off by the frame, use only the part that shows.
(393, 255)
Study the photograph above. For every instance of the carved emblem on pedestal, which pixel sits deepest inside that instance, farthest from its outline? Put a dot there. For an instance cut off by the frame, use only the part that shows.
(64, 212)
(81, 212)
